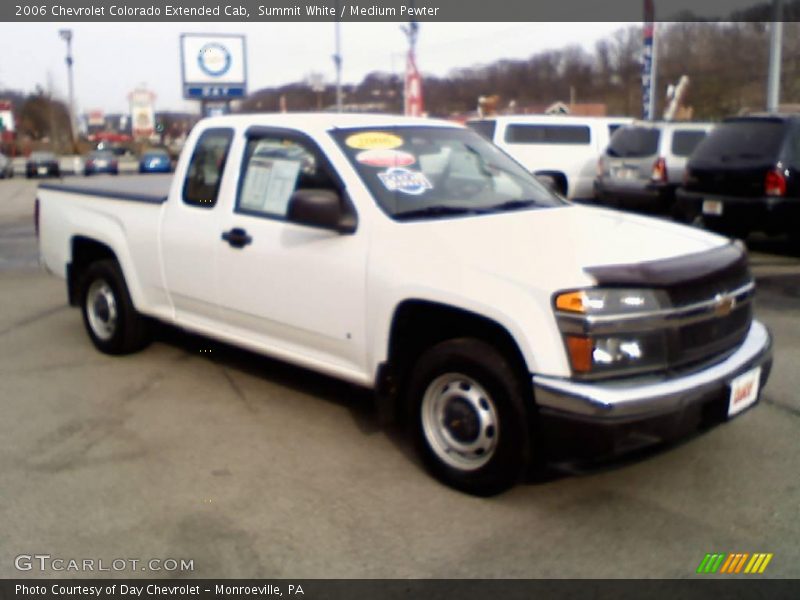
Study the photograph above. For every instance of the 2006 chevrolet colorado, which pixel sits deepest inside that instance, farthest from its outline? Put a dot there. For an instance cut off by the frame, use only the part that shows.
(413, 257)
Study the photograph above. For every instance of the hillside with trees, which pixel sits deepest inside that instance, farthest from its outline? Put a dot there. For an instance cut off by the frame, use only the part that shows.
(726, 63)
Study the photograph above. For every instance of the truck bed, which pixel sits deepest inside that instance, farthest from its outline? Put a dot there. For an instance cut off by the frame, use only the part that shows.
(152, 189)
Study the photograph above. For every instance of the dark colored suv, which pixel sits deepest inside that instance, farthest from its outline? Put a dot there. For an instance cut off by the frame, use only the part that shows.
(745, 176)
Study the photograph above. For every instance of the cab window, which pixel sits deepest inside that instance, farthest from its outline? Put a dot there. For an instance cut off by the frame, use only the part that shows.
(206, 167)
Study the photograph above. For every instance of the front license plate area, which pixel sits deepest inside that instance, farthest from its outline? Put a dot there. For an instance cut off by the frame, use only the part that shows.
(744, 391)
(712, 207)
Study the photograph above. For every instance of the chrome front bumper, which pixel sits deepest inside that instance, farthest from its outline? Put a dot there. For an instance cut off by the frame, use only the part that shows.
(645, 397)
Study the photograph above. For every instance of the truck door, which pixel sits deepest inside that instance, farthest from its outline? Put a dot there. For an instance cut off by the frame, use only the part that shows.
(295, 291)
(190, 232)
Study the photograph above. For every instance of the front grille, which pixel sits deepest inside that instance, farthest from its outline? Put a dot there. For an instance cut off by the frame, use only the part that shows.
(715, 336)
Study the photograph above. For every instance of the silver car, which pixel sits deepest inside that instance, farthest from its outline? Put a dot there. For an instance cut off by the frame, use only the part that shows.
(644, 164)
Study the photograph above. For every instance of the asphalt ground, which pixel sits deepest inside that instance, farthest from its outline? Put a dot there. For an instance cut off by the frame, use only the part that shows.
(252, 468)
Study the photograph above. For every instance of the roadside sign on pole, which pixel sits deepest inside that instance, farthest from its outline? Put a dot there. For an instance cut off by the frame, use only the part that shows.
(648, 62)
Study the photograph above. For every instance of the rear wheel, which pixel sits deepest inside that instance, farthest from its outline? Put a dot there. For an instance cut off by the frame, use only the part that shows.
(469, 417)
(110, 318)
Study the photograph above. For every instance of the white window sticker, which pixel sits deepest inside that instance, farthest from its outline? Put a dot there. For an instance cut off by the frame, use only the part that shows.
(405, 181)
(268, 185)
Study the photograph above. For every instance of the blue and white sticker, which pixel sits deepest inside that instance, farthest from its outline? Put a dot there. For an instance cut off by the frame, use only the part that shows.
(398, 179)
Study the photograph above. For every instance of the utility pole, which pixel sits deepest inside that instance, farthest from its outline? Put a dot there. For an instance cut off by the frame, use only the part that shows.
(412, 90)
(775, 47)
(66, 35)
(337, 61)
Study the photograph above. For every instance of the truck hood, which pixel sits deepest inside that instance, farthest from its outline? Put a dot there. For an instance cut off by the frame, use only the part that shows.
(551, 248)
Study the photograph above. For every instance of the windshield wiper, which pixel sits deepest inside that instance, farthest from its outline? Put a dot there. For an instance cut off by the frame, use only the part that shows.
(511, 205)
(437, 210)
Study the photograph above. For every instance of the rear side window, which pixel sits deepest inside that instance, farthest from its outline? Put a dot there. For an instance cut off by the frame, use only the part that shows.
(548, 134)
(485, 128)
(742, 142)
(633, 142)
(685, 141)
(206, 167)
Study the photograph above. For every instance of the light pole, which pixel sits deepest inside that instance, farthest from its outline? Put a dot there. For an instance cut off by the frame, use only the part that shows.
(337, 60)
(775, 43)
(66, 35)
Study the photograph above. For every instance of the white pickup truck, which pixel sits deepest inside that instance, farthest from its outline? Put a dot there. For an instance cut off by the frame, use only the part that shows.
(415, 258)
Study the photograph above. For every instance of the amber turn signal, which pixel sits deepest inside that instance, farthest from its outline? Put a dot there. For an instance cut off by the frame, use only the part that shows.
(580, 353)
(572, 302)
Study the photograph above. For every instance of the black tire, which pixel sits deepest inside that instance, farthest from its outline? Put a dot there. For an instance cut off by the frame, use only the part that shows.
(126, 333)
(476, 369)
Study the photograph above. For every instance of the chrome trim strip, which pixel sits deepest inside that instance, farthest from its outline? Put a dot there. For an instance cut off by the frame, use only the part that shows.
(640, 397)
(654, 320)
(745, 290)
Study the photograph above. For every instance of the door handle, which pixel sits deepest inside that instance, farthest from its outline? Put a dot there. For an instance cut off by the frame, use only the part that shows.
(237, 237)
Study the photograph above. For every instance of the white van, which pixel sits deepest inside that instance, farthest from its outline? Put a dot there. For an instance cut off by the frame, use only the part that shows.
(563, 149)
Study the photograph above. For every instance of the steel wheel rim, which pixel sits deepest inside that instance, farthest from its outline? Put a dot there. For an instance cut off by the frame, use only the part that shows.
(101, 309)
(459, 420)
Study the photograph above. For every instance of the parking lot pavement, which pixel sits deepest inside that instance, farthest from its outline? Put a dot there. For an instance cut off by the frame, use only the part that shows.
(251, 468)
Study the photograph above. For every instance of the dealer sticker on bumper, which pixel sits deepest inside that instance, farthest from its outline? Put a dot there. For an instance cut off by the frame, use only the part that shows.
(744, 391)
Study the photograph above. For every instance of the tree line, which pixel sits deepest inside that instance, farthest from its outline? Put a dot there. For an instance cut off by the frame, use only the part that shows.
(726, 64)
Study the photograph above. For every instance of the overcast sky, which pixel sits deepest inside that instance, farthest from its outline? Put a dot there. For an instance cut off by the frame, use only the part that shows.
(112, 59)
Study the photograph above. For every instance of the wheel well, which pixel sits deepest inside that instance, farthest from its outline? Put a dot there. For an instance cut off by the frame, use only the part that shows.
(420, 324)
(85, 251)
(559, 180)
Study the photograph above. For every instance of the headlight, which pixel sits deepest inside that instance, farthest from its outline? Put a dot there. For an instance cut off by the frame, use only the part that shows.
(607, 355)
(604, 334)
(607, 301)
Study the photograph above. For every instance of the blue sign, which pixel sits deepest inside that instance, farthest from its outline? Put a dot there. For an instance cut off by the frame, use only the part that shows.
(214, 91)
(647, 78)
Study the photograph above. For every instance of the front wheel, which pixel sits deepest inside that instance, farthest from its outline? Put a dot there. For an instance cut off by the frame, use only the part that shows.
(110, 318)
(468, 411)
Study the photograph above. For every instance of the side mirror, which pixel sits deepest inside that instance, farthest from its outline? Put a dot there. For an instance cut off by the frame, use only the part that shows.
(321, 208)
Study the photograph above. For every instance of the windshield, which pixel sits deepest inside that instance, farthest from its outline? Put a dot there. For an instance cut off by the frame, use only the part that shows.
(428, 172)
(633, 142)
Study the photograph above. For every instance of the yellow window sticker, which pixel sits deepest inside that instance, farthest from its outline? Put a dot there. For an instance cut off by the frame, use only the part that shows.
(374, 140)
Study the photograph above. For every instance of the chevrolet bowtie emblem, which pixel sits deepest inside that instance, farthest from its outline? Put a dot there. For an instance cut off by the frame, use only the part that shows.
(724, 305)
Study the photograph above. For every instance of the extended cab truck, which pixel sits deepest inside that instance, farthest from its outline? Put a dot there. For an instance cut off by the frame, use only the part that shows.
(415, 258)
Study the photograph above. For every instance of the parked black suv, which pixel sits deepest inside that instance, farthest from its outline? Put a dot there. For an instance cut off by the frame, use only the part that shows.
(745, 176)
